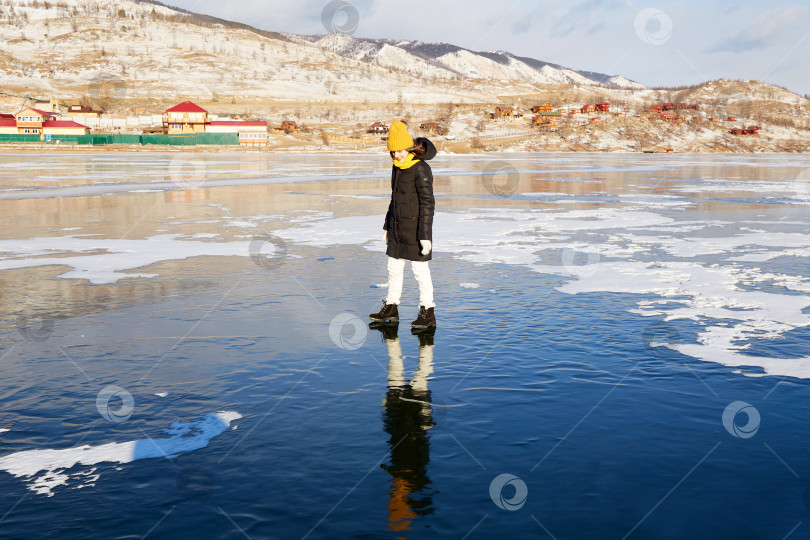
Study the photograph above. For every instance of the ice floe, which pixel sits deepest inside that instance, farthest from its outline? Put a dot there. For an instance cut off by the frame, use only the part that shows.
(44, 469)
(102, 260)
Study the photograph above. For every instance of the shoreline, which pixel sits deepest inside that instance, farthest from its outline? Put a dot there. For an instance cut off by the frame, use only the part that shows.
(33, 148)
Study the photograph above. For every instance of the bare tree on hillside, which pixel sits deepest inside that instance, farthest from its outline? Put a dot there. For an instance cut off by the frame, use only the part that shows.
(445, 112)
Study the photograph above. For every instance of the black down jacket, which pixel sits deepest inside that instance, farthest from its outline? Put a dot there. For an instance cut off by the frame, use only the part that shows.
(410, 214)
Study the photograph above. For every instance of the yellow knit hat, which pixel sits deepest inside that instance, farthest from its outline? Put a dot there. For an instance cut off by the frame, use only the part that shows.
(398, 137)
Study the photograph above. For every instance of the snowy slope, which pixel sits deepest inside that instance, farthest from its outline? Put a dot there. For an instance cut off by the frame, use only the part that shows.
(474, 66)
(346, 45)
(565, 76)
(623, 82)
(381, 54)
(395, 57)
(494, 65)
(140, 49)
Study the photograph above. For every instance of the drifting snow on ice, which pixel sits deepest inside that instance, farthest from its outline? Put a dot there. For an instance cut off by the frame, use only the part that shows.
(44, 469)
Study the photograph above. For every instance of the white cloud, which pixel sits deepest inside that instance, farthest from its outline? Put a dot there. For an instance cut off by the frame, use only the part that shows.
(762, 33)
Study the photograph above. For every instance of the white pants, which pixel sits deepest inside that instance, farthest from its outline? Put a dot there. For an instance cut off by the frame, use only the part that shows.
(421, 271)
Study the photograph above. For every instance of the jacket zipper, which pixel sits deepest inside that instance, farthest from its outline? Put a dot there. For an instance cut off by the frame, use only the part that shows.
(393, 197)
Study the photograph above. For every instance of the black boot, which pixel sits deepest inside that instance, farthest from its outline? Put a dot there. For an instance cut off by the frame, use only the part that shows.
(388, 313)
(426, 319)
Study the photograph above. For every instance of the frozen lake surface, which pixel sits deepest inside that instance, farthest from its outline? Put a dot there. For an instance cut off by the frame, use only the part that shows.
(622, 351)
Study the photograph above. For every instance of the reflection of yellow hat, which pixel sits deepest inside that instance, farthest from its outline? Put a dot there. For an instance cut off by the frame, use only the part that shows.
(398, 137)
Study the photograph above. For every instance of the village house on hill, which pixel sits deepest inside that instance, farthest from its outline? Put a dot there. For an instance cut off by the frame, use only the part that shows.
(30, 121)
(546, 107)
(188, 118)
(377, 127)
(47, 105)
(288, 126)
(185, 118)
(502, 111)
(82, 110)
(434, 127)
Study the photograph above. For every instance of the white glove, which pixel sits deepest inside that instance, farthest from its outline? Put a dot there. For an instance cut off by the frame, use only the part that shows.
(426, 246)
(385, 237)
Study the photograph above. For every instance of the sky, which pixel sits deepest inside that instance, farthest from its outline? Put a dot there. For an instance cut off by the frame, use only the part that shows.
(664, 43)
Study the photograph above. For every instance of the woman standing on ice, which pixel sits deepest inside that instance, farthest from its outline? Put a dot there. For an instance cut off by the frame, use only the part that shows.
(408, 228)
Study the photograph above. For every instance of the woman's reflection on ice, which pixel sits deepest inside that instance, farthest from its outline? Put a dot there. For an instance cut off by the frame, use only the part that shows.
(407, 417)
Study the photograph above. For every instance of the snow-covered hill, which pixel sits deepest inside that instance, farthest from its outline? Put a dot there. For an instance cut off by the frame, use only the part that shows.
(126, 51)
(144, 49)
(727, 91)
(446, 61)
(133, 49)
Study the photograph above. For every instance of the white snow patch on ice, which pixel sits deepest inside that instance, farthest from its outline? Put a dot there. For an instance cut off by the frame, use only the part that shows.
(469, 285)
(104, 260)
(45, 469)
(239, 223)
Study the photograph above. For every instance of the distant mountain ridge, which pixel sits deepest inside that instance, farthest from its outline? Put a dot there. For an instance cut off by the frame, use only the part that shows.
(451, 58)
(445, 60)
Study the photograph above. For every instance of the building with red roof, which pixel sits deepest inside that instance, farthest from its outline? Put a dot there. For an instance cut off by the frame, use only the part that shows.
(188, 118)
(64, 127)
(185, 118)
(187, 107)
(230, 123)
(8, 126)
(251, 132)
(30, 121)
